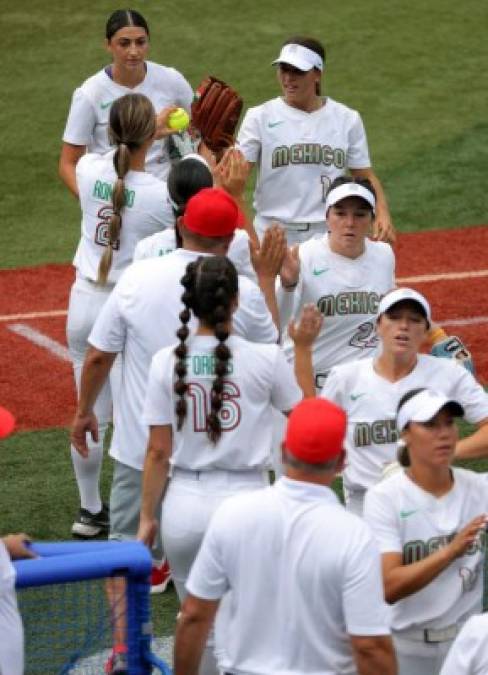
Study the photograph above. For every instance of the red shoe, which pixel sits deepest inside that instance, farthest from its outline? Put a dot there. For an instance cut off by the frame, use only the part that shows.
(160, 578)
(117, 663)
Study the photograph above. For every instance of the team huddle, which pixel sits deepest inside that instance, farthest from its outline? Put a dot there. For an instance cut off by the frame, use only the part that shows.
(245, 362)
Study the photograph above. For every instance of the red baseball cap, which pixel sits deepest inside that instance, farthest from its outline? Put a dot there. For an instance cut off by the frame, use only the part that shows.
(7, 422)
(212, 212)
(316, 431)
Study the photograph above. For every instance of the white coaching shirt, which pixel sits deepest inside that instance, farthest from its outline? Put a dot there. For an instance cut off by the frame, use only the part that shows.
(249, 393)
(140, 317)
(347, 293)
(299, 154)
(469, 653)
(370, 402)
(90, 106)
(307, 595)
(162, 243)
(408, 520)
(146, 211)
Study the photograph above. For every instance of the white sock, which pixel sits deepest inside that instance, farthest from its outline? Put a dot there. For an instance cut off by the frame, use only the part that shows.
(87, 474)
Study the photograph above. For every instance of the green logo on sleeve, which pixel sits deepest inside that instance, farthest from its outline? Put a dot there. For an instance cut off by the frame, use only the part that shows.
(317, 272)
(406, 514)
(104, 106)
(275, 124)
(354, 397)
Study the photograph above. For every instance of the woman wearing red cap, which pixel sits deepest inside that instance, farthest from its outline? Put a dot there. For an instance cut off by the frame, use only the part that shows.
(429, 519)
(300, 142)
(209, 414)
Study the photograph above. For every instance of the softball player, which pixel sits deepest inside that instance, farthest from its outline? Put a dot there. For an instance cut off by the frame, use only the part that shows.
(127, 40)
(120, 204)
(469, 653)
(429, 520)
(369, 391)
(344, 274)
(203, 406)
(300, 143)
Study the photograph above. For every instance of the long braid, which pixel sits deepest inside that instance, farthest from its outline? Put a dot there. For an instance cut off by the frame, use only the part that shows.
(181, 351)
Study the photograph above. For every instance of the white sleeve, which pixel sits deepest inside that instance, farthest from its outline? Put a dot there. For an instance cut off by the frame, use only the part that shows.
(249, 136)
(357, 152)
(81, 120)
(208, 579)
(109, 331)
(332, 389)
(289, 302)
(380, 515)
(365, 609)
(285, 393)
(470, 394)
(252, 319)
(469, 653)
(158, 404)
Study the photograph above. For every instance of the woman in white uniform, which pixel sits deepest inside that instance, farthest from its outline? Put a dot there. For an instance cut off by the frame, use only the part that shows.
(429, 519)
(369, 391)
(127, 40)
(209, 416)
(120, 203)
(300, 142)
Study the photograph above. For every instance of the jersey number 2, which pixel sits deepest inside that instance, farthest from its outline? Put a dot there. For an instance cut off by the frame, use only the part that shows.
(230, 412)
(101, 233)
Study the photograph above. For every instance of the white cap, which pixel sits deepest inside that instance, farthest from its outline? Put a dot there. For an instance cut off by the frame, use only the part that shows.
(349, 190)
(400, 295)
(425, 405)
(300, 57)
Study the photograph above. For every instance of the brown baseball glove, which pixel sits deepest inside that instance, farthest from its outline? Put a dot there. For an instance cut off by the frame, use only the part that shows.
(215, 113)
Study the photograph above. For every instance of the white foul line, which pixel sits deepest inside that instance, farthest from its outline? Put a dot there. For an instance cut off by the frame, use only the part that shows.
(41, 340)
(465, 322)
(443, 276)
(33, 315)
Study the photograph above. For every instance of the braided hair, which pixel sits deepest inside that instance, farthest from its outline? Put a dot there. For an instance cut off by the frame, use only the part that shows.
(211, 287)
(132, 123)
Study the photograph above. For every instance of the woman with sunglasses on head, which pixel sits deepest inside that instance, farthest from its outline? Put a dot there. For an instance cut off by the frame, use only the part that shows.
(430, 522)
(127, 41)
(300, 142)
(369, 390)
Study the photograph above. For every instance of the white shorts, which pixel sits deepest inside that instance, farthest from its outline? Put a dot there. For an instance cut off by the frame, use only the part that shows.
(420, 658)
(296, 233)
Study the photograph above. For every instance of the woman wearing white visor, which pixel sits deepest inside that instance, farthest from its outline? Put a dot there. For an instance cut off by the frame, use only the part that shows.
(369, 391)
(300, 142)
(429, 520)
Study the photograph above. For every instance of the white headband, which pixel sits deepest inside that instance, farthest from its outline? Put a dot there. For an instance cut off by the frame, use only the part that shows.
(299, 57)
(349, 190)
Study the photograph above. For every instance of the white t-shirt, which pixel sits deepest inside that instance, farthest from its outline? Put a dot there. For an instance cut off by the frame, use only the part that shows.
(347, 292)
(11, 632)
(146, 211)
(140, 317)
(88, 116)
(370, 402)
(162, 243)
(469, 654)
(249, 394)
(405, 519)
(298, 155)
(308, 596)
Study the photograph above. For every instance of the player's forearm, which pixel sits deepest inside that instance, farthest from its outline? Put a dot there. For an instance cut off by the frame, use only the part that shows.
(380, 658)
(190, 637)
(155, 476)
(405, 580)
(475, 445)
(286, 302)
(304, 370)
(67, 173)
(95, 371)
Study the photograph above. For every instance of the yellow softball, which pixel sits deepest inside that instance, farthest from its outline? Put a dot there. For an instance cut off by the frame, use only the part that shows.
(179, 120)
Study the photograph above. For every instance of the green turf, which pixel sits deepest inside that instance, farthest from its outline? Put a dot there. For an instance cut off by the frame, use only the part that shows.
(414, 70)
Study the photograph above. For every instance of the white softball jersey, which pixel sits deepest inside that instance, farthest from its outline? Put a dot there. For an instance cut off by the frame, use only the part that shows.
(146, 211)
(370, 402)
(469, 653)
(298, 154)
(347, 293)
(12, 642)
(308, 597)
(140, 317)
(90, 106)
(408, 520)
(248, 396)
(162, 243)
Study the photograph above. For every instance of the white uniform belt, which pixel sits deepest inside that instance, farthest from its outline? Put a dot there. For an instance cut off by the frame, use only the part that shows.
(430, 635)
(299, 227)
(252, 475)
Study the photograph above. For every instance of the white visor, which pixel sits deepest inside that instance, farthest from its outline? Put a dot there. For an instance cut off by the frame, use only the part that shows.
(400, 295)
(195, 155)
(299, 57)
(349, 190)
(424, 406)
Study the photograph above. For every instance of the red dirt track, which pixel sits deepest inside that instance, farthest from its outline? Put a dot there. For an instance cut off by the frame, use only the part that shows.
(38, 386)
